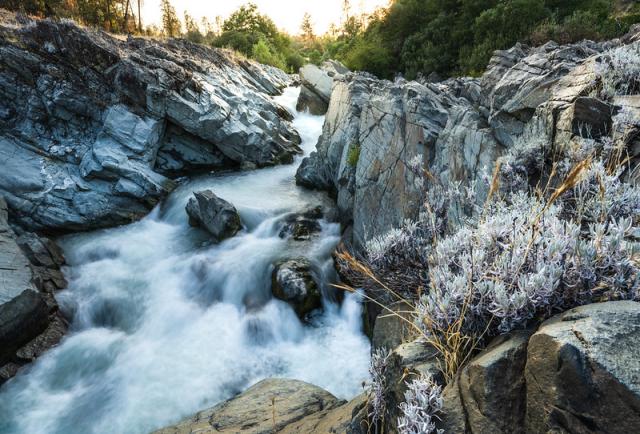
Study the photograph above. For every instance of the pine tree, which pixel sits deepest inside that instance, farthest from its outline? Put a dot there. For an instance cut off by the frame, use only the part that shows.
(306, 28)
(170, 21)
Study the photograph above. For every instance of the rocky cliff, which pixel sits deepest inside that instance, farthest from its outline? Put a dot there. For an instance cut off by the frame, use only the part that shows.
(93, 128)
(377, 132)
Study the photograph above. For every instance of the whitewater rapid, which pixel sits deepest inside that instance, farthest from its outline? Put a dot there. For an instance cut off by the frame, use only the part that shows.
(159, 323)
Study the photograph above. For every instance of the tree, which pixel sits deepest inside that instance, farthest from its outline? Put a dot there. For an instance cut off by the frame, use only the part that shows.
(306, 28)
(139, 16)
(193, 33)
(170, 21)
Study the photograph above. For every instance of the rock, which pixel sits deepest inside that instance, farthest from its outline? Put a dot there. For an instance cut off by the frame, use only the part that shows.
(489, 394)
(264, 408)
(94, 126)
(334, 421)
(294, 281)
(26, 314)
(301, 226)
(583, 371)
(389, 330)
(315, 92)
(214, 214)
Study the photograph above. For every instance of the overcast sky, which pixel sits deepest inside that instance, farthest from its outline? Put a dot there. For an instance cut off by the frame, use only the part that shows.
(287, 14)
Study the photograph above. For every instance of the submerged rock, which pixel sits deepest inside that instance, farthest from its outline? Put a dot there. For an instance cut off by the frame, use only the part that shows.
(294, 281)
(264, 408)
(301, 226)
(216, 215)
(94, 126)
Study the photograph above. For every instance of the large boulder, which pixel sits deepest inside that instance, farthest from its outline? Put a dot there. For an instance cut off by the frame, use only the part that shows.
(213, 214)
(339, 420)
(265, 408)
(317, 82)
(95, 127)
(295, 282)
(583, 371)
(489, 393)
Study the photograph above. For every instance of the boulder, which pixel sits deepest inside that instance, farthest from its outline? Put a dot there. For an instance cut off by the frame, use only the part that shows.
(216, 215)
(315, 92)
(389, 330)
(301, 226)
(94, 127)
(337, 420)
(295, 282)
(583, 371)
(489, 393)
(265, 408)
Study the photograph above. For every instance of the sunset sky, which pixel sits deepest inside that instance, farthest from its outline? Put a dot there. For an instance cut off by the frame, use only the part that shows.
(287, 14)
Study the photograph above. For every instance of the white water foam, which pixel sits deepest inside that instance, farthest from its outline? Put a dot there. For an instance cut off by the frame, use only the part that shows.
(161, 327)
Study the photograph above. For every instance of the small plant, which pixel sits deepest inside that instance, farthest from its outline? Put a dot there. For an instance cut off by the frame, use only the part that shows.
(353, 155)
(378, 386)
(421, 407)
(619, 71)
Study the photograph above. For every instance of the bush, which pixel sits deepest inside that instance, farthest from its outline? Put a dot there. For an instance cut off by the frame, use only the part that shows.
(353, 155)
(421, 407)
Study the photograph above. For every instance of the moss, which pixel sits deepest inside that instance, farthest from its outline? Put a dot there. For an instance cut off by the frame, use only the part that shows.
(354, 155)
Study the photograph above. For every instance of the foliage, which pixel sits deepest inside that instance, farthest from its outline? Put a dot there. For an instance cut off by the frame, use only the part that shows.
(170, 21)
(619, 72)
(422, 404)
(378, 385)
(353, 155)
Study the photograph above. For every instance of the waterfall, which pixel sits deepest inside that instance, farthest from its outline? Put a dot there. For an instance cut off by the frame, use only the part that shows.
(164, 323)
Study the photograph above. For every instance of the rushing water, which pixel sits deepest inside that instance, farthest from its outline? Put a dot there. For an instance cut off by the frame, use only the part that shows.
(160, 327)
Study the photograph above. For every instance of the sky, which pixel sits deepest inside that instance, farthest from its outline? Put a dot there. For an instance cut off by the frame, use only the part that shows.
(287, 14)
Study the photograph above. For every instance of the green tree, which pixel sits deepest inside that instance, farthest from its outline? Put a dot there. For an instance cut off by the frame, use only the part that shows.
(306, 28)
(170, 21)
(193, 33)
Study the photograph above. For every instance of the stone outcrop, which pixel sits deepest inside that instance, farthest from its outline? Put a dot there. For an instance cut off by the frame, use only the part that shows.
(583, 371)
(29, 318)
(316, 84)
(93, 127)
(265, 408)
(295, 282)
(215, 215)
(380, 136)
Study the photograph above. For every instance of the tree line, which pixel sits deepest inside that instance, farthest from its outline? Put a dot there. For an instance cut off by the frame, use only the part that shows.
(411, 37)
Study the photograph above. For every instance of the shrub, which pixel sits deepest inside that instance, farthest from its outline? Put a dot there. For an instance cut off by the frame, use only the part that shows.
(378, 385)
(422, 405)
(619, 71)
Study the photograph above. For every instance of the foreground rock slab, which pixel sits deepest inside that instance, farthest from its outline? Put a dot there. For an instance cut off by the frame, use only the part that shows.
(216, 215)
(266, 407)
(583, 371)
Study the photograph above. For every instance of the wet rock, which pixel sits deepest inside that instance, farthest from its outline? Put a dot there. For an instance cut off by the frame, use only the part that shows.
(95, 126)
(265, 408)
(301, 226)
(214, 214)
(583, 371)
(489, 394)
(294, 281)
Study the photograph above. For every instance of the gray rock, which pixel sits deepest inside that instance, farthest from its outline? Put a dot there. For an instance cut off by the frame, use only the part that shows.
(317, 82)
(93, 126)
(295, 282)
(214, 214)
(390, 330)
(583, 371)
(489, 393)
(301, 226)
(265, 408)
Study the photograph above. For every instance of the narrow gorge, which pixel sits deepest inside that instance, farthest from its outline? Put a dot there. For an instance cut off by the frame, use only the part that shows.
(194, 242)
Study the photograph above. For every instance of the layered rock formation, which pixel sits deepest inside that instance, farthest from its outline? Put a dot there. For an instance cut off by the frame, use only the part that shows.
(29, 274)
(379, 136)
(93, 127)
(316, 86)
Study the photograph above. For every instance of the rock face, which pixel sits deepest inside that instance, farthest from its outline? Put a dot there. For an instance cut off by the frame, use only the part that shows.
(389, 330)
(265, 408)
(583, 371)
(379, 136)
(29, 319)
(94, 127)
(294, 281)
(216, 215)
(315, 92)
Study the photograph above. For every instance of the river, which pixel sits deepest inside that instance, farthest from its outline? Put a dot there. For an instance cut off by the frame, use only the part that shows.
(160, 326)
